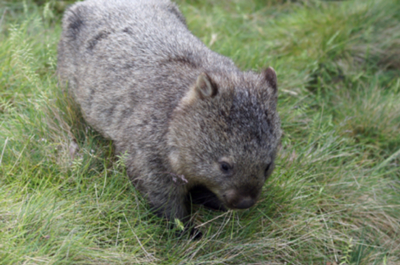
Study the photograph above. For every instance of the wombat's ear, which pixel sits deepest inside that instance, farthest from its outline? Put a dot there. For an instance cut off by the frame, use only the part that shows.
(269, 75)
(205, 86)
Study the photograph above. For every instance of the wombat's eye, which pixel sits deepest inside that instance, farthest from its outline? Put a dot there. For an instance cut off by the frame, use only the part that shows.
(225, 167)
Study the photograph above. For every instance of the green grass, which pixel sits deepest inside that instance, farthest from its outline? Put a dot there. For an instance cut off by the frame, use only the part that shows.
(334, 197)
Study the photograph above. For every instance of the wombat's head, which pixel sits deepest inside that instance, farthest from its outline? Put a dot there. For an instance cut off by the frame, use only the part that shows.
(224, 134)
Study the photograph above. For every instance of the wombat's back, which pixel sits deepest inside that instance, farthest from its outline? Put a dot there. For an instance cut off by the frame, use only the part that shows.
(125, 57)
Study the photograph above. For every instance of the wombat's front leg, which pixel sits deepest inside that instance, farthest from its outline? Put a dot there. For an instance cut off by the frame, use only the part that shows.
(172, 203)
(169, 203)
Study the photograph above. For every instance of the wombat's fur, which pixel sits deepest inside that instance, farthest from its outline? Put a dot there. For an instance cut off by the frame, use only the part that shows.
(189, 120)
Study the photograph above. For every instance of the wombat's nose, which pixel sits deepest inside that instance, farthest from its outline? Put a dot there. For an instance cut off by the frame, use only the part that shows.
(245, 203)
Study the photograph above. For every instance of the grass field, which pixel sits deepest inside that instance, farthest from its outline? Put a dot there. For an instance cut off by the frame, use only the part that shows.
(334, 197)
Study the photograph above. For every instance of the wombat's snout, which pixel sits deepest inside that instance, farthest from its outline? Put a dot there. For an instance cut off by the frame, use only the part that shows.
(238, 201)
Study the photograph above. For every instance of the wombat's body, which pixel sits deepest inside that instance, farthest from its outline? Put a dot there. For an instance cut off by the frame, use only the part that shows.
(187, 118)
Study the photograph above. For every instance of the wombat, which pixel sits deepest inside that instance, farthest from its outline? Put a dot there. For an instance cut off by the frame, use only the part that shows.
(195, 129)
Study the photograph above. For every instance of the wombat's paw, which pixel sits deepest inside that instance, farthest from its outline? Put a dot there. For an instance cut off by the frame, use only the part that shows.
(195, 234)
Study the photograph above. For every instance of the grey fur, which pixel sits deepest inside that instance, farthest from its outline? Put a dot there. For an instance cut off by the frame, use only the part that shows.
(188, 118)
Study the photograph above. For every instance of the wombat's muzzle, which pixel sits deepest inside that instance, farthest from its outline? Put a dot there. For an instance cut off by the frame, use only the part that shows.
(239, 201)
